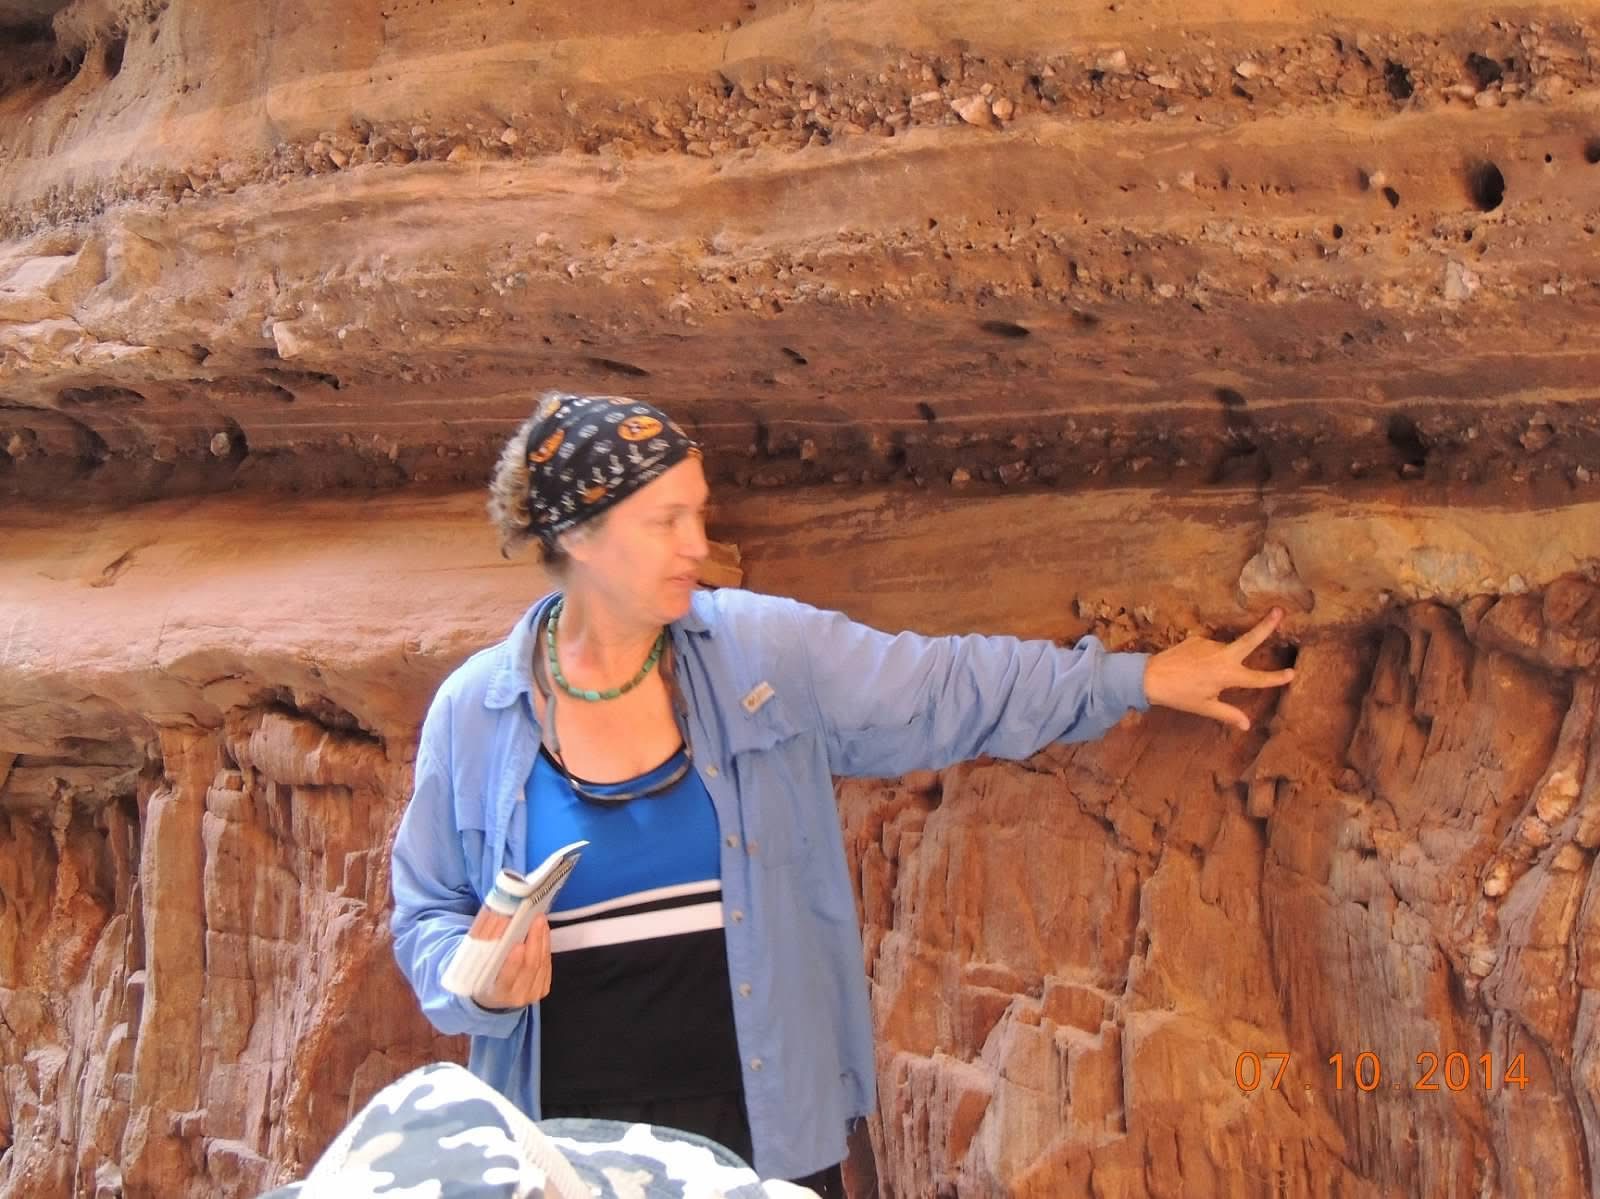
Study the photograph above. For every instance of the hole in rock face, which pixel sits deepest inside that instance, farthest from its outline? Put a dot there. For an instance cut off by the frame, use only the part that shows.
(617, 367)
(82, 397)
(926, 412)
(1405, 437)
(1392, 196)
(237, 448)
(1237, 423)
(114, 50)
(64, 68)
(1486, 185)
(92, 450)
(1398, 80)
(1003, 328)
(1338, 232)
(794, 356)
(1240, 462)
(1483, 69)
(1591, 151)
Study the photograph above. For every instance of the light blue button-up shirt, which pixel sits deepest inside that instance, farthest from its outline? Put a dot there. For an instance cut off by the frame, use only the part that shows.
(844, 699)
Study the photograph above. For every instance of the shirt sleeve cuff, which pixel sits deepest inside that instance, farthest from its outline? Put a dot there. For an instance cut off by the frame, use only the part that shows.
(1124, 681)
(488, 1021)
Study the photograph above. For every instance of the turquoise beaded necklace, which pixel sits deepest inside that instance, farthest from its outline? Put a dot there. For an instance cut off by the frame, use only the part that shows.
(589, 693)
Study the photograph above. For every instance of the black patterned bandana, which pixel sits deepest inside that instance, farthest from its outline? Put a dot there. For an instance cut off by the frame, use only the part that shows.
(586, 453)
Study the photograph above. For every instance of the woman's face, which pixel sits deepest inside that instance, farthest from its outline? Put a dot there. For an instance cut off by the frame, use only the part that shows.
(645, 557)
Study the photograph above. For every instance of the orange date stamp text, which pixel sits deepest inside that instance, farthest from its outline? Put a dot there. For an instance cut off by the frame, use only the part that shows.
(1365, 1071)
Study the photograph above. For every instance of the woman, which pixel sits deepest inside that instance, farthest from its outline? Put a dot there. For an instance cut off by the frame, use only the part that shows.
(702, 966)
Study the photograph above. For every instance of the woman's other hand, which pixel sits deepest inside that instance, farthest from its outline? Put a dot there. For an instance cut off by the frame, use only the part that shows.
(1193, 674)
(525, 976)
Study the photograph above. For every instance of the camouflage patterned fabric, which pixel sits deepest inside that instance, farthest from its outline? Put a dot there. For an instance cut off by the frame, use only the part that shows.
(441, 1133)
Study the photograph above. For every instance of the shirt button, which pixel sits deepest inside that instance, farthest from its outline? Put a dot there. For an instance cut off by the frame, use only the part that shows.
(744, 990)
(711, 772)
(738, 915)
(755, 1063)
(733, 842)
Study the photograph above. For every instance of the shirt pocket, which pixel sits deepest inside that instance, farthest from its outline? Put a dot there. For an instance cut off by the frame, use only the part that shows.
(773, 762)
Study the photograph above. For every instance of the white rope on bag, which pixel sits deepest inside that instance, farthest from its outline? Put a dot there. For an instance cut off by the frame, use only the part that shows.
(561, 1181)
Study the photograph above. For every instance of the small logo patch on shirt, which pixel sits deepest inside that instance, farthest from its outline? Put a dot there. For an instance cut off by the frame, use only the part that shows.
(759, 694)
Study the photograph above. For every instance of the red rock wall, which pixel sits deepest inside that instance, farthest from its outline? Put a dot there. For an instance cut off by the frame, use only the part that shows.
(196, 968)
(1069, 956)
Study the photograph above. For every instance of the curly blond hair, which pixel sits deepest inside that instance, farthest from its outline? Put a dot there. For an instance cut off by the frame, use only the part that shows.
(508, 495)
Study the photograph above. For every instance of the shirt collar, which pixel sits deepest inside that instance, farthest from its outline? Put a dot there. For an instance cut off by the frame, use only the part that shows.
(513, 678)
(694, 621)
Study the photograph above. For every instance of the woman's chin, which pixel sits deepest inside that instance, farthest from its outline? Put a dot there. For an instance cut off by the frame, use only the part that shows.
(675, 601)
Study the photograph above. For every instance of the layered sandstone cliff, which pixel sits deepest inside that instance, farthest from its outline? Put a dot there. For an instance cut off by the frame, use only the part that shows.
(1124, 319)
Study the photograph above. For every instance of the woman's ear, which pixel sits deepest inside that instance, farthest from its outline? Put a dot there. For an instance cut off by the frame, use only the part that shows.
(578, 544)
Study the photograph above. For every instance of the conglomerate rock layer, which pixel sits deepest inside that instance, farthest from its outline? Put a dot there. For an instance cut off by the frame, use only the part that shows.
(1025, 318)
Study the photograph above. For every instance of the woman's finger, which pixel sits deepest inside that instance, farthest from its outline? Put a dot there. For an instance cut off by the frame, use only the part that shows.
(539, 948)
(1226, 714)
(538, 933)
(507, 982)
(483, 924)
(1263, 678)
(533, 962)
(1248, 643)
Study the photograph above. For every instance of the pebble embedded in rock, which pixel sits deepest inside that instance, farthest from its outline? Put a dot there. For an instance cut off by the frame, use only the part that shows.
(974, 110)
(286, 340)
(1569, 858)
(1459, 282)
(1271, 575)
(1539, 434)
(1116, 62)
(1498, 880)
(1556, 797)
(1534, 832)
